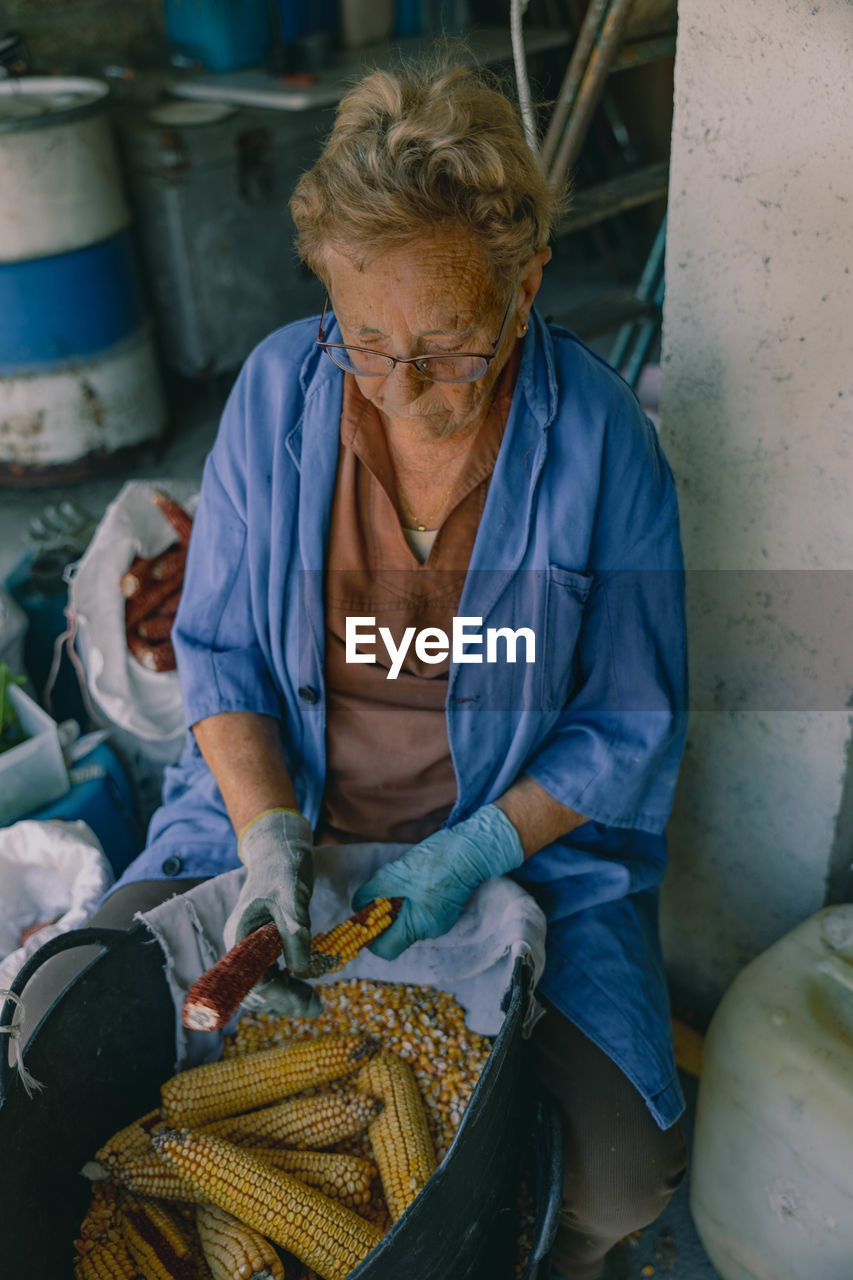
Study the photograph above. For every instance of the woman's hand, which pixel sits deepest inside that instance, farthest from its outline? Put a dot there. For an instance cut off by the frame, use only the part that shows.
(276, 848)
(437, 877)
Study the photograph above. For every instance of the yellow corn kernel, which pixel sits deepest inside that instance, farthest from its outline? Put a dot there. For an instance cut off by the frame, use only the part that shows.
(318, 1121)
(347, 1178)
(331, 951)
(157, 1241)
(149, 1175)
(226, 1088)
(399, 1136)
(317, 1230)
(234, 1251)
(105, 1260)
(133, 1139)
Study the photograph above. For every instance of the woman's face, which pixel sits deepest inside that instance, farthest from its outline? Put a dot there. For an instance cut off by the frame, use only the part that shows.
(430, 297)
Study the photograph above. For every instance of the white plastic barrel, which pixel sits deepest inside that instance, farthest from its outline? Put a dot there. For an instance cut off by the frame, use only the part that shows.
(772, 1177)
(78, 374)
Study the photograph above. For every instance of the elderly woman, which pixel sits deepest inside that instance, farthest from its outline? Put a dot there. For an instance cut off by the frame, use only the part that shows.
(430, 459)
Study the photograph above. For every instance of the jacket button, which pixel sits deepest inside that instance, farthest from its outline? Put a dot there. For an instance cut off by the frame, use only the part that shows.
(172, 866)
(308, 694)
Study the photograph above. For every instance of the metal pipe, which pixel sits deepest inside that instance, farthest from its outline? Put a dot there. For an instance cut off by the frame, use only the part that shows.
(634, 366)
(584, 44)
(644, 291)
(591, 89)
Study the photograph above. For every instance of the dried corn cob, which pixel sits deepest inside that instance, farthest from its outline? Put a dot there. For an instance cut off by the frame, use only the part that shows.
(234, 1251)
(142, 572)
(331, 951)
(149, 599)
(133, 1139)
(399, 1136)
(155, 627)
(159, 656)
(424, 1026)
(217, 994)
(317, 1121)
(179, 519)
(226, 1088)
(157, 1241)
(349, 1179)
(318, 1230)
(169, 607)
(105, 1260)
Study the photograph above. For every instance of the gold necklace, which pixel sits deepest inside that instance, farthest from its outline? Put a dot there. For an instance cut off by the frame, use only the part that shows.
(422, 527)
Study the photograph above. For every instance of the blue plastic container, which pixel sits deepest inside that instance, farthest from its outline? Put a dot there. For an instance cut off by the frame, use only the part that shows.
(222, 34)
(303, 17)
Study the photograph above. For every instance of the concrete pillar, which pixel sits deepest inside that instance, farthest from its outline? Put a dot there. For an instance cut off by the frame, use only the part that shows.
(757, 420)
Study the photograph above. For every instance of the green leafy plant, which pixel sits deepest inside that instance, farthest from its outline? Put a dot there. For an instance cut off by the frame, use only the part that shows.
(11, 733)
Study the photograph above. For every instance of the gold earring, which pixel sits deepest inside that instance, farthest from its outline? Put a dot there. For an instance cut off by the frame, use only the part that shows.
(524, 329)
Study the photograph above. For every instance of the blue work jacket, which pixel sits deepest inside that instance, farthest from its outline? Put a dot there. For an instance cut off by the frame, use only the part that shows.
(578, 541)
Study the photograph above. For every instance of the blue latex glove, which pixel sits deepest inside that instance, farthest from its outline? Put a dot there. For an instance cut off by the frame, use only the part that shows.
(437, 877)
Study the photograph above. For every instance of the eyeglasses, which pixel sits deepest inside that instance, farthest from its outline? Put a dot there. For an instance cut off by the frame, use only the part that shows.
(460, 366)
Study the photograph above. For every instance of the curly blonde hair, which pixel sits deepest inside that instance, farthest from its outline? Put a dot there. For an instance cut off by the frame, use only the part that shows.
(414, 150)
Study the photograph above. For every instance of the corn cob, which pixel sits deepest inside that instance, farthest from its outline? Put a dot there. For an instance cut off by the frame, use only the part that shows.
(155, 627)
(234, 1251)
(399, 1136)
(133, 1139)
(319, 1231)
(159, 656)
(226, 1088)
(105, 1260)
(217, 994)
(179, 519)
(143, 572)
(349, 1179)
(317, 1121)
(169, 606)
(149, 599)
(157, 1241)
(424, 1026)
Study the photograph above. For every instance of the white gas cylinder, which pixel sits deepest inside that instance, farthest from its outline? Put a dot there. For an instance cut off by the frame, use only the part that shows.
(772, 1177)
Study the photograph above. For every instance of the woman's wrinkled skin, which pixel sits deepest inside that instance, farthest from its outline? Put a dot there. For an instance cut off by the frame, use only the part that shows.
(433, 295)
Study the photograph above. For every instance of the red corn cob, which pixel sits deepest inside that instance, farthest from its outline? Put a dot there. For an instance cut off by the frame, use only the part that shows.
(143, 571)
(169, 607)
(217, 994)
(155, 627)
(159, 656)
(169, 565)
(179, 519)
(149, 600)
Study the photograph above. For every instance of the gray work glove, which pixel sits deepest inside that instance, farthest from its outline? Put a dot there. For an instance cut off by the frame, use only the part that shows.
(276, 849)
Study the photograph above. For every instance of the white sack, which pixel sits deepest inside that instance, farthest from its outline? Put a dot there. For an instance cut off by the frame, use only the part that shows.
(47, 869)
(146, 705)
(473, 961)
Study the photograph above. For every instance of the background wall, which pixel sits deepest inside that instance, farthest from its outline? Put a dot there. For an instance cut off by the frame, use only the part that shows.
(85, 35)
(757, 420)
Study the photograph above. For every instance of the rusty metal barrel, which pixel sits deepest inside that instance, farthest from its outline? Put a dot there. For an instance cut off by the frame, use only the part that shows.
(79, 382)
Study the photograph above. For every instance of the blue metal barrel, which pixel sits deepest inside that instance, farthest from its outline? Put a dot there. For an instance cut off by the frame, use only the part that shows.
(79, 381)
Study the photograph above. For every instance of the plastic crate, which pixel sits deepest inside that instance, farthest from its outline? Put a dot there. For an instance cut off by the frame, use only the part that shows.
(33, 773)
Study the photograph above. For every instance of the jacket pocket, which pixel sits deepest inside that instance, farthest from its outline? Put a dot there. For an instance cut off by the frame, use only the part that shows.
(566, 594)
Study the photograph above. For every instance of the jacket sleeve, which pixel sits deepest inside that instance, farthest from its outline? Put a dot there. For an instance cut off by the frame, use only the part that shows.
(221, 663)
(614, 752)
